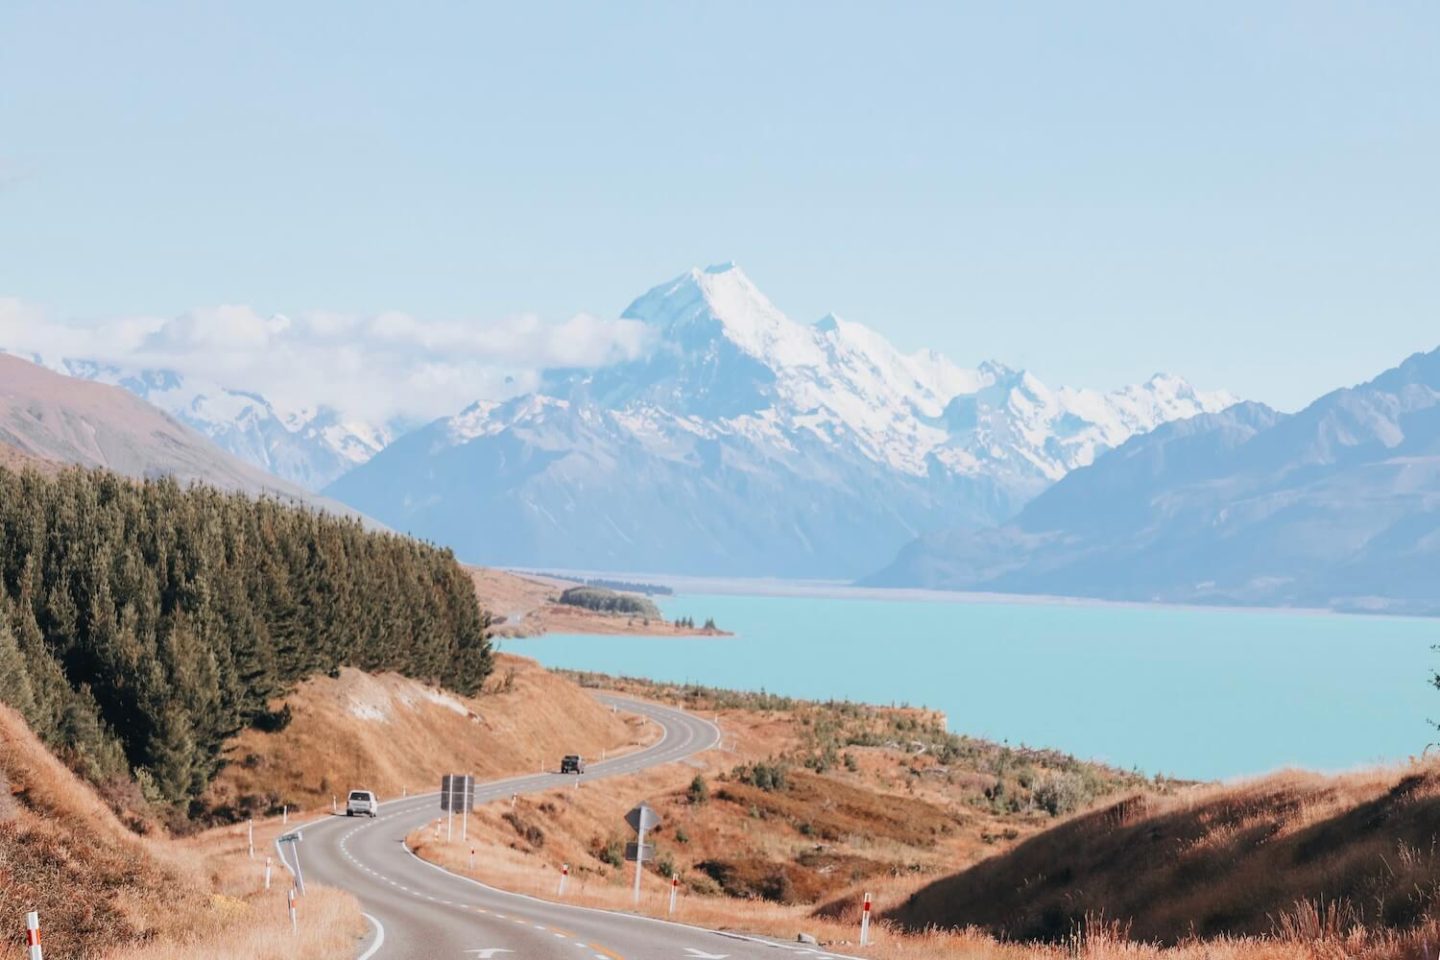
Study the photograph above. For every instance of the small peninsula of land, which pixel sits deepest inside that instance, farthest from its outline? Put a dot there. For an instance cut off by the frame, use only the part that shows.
(530, 605)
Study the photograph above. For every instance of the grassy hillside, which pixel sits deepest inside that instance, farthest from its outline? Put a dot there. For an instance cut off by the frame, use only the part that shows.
(1351, 858)
(102, 891)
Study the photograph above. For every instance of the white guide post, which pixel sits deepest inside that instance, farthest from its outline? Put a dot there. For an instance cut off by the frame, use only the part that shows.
(250, 837)
(267, 873)
(674, 891)
(564, 875)
(294, 916)
(32, 935)
(865, 922)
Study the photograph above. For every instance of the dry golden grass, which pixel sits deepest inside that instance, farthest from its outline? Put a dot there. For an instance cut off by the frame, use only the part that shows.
(1294, 855)
(102, 891)
(258, 928)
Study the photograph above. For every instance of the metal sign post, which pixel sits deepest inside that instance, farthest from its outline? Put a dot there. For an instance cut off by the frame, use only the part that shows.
(641, 819)
(457, 792)
(294, 840)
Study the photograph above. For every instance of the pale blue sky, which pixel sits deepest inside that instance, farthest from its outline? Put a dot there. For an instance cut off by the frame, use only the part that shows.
(1242, 193)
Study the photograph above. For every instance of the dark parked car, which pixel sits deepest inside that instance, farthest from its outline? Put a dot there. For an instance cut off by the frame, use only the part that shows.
(572, 764)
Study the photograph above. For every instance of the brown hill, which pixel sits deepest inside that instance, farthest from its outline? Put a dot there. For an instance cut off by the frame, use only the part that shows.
(1288, 855)
(48, 416)
(63, 853)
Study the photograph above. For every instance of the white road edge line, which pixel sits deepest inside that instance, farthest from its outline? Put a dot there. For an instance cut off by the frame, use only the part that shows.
(379, 938)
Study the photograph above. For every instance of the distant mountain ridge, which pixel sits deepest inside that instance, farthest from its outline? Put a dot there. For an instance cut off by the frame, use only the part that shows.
(1335, 506)
(51, 417)
(310, 448)
(746, 443)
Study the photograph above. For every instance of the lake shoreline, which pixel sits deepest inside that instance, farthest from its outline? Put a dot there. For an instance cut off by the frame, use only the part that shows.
(684, 584)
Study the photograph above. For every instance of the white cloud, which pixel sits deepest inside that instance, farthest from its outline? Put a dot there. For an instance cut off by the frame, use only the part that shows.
(373, 368)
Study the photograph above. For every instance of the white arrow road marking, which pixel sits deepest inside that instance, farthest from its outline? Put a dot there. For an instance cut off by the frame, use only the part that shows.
(702, 955)
(489, 952)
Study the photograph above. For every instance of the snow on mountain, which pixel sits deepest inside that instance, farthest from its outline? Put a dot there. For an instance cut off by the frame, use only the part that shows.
(307, 447)
(1335, 506)
(745, 442)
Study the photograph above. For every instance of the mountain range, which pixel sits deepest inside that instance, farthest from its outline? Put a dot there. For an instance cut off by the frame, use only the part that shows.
(50, 418)
(310, 448)
(746, 443)
(1335, 506)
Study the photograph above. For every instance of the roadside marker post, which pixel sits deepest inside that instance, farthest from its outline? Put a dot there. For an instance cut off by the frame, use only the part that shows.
(250, 836)
(513, 798)
(294, 915)
(472, 859)
(32, 935)
(674, 891)
(267, 873)
(285, 815)
(334, 807)
(564, 875)
(865, 922)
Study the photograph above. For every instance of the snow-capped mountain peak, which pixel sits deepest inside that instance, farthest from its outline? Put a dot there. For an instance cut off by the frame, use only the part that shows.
(721, 300)
(745, 442)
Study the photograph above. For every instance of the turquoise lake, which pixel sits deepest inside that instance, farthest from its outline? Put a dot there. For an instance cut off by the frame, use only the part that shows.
(1189, 692)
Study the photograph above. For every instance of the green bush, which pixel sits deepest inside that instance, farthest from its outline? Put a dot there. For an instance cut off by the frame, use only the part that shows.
(699, 791)
(770, 776)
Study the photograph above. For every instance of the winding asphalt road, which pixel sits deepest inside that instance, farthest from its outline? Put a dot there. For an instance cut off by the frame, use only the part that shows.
(419, 911)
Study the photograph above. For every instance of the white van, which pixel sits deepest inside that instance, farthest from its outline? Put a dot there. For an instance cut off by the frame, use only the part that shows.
(362, 803)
